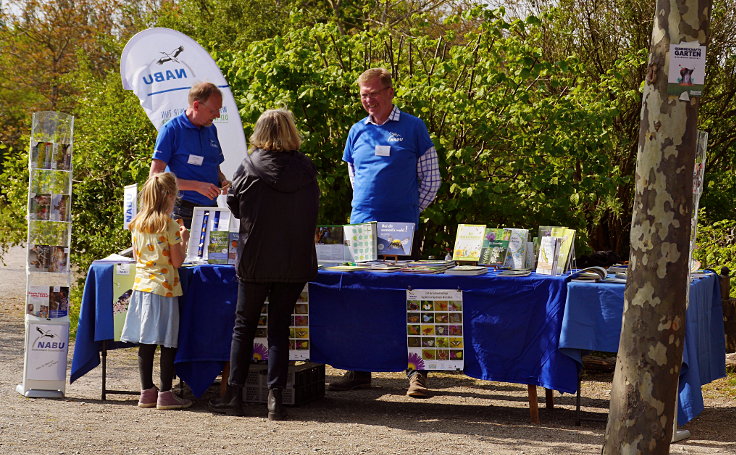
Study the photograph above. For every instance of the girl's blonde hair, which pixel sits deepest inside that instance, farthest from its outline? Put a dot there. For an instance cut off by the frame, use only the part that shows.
(155, 203)
(275, 131)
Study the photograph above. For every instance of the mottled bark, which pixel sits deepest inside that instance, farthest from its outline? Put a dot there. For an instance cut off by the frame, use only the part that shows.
(650, 352)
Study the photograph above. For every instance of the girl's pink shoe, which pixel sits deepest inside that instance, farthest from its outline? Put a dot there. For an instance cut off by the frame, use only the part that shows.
(169, 400)
(148, 398)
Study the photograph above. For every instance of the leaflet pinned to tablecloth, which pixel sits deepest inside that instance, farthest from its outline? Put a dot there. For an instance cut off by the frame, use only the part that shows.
(434, 327)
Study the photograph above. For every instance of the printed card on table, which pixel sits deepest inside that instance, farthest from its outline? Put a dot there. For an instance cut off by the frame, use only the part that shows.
(434, 328)
(123, 278)
(298, 331)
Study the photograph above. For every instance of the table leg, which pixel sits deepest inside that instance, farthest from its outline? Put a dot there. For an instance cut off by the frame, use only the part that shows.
(549, 398)
(104, 370)
(225, 375)
(533, 405)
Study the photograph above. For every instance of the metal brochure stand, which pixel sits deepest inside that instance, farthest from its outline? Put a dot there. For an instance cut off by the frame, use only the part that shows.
(47, 266)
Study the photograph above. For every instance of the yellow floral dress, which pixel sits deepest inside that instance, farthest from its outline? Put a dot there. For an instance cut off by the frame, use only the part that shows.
(153, 312)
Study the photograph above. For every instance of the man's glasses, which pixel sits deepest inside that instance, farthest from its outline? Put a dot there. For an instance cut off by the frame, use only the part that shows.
(365, 96)
(212, 111)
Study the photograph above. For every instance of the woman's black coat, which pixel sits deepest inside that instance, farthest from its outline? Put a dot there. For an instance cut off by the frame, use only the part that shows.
(276, 197)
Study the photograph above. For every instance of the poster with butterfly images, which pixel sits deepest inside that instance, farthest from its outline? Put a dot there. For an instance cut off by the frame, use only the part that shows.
(298, 330)
(434, 328)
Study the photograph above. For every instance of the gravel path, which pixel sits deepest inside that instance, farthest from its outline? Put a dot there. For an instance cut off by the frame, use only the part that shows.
(464, 415)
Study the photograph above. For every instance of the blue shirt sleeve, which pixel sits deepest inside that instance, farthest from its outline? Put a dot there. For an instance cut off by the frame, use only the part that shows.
(347, 154)
(165, 146)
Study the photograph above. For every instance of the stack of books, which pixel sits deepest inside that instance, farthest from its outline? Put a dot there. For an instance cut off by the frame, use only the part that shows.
(427, 266)
(467, 270)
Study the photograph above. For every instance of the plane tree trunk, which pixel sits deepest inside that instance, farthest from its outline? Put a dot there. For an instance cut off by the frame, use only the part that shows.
(644, 390)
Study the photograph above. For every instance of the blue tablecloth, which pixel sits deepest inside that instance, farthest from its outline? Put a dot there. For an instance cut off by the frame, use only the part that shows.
(592, 322)
(357, 321)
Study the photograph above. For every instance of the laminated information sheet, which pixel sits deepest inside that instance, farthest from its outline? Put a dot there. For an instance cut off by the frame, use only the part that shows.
(434, 327)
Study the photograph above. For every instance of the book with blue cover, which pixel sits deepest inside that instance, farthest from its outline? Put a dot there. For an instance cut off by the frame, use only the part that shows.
(395, 238)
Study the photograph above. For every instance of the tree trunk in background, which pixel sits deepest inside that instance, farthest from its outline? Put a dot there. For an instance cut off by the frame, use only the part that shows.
(650, 351)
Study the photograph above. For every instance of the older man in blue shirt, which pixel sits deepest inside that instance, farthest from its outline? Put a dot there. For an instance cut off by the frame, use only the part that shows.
(188, 146)
(392, 165)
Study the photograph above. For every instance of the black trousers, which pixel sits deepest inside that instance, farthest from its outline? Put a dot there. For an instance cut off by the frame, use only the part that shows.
(281, 300)
(145, 366)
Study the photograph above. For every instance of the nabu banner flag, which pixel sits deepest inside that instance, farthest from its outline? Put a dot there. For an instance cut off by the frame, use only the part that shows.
(160, 65)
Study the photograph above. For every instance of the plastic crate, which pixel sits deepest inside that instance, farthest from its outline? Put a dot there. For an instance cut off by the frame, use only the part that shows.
(306, 382)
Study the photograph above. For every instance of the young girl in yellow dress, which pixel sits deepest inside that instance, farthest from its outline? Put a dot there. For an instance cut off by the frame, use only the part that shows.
(159, 246)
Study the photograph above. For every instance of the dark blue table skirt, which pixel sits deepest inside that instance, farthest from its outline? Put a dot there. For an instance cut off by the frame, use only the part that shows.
(592, 322)
(358, 321)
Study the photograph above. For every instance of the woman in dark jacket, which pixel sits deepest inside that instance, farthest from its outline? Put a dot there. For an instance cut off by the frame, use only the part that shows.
(275, 196)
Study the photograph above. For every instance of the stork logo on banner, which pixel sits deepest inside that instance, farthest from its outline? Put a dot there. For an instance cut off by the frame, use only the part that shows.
(47, 340)
(171, 57)
(180, 71)
(160, 65)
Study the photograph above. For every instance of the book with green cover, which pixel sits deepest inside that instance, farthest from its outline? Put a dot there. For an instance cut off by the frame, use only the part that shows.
(495, 244)
(564, 256)
(468, 242)
(217, 249)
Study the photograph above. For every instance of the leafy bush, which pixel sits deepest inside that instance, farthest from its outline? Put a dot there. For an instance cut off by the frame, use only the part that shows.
(522, 142)
(716, 248)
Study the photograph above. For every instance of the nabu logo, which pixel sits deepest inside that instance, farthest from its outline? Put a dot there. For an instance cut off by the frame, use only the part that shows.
(47, 340)
(395, 137)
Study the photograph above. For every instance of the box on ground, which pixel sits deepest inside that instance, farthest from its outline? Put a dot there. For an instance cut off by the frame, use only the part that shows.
(306, 383)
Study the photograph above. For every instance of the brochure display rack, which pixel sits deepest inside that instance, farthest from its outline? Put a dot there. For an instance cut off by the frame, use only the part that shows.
(47, 265)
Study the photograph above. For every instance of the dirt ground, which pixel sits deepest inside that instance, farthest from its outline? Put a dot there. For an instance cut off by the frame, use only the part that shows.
(463, 416)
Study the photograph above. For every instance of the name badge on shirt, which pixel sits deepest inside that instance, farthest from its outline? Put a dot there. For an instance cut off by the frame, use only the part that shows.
(196, 160)
(383, 150)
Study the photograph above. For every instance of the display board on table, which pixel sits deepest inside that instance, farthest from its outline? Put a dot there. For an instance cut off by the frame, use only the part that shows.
(213, 238)
(47, 266)
(363, 242)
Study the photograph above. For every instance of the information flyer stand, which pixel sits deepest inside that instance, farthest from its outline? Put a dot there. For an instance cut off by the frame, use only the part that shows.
(47, 265)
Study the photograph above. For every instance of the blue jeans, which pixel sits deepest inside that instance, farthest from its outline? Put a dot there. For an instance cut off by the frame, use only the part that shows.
(281, 300)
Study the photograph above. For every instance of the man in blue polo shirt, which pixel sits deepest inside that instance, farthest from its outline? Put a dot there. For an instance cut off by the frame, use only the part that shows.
(188, 146)
(392, 165)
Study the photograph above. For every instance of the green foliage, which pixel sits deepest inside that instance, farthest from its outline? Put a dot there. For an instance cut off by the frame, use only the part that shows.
(716, 247)
(224, 24)
(13, 197)
(113, 145)
(522, 140)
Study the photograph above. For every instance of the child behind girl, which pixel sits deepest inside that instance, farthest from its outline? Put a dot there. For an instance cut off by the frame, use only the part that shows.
(159, 247)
